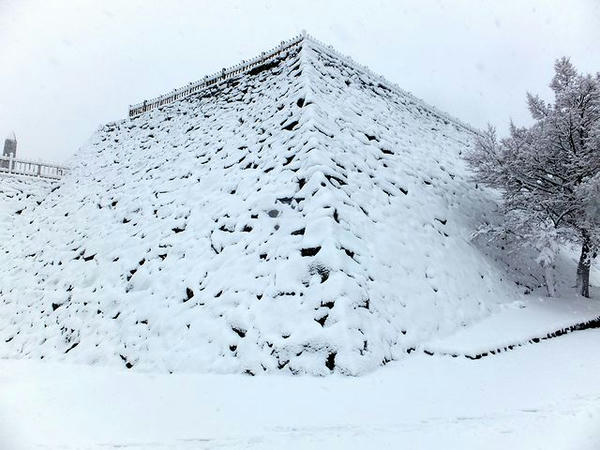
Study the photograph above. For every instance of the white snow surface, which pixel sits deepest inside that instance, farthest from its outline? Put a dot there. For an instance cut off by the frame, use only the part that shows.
(17, 194)
(545, 396)
(301, 218)
(517, 323)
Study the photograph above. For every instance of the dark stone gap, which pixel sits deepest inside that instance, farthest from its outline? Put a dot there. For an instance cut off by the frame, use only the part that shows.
(241, 333)
(330, 363)
(330, 304)
(266, 66)
(311, 251)
(321, 321)
(290, 126)
(72, 347)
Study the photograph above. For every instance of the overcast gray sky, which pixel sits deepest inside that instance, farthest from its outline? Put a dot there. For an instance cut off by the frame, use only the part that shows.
(66, 67)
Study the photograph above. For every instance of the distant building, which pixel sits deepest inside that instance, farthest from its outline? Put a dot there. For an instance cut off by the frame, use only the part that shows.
(10, 149)
(10, 146)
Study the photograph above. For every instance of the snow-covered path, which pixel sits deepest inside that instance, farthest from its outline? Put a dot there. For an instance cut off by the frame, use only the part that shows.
(540, 396)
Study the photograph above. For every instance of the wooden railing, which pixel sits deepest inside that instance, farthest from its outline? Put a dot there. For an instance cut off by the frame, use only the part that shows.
(14, 166)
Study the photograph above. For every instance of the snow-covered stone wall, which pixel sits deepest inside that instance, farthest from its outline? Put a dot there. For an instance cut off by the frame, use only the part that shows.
(301, 217)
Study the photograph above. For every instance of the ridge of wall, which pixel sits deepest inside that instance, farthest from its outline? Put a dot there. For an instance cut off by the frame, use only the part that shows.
(244, 66)
(208, 80)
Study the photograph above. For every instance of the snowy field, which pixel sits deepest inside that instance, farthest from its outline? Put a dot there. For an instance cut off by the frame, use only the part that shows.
(542, 396)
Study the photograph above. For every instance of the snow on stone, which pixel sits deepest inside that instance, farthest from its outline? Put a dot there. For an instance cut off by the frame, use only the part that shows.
(302, 217)
(18, 194)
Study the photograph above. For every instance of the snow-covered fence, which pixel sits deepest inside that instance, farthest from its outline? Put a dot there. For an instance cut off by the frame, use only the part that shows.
(13, 166)
(225, 73)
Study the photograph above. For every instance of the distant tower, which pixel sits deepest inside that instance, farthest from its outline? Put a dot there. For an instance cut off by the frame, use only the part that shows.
(10, 146)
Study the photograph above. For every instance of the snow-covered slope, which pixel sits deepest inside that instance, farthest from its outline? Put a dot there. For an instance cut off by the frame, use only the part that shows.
(517, 324)
(18, 194)
(303, 216)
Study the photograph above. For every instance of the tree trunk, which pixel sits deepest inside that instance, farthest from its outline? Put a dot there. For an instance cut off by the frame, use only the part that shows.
(549, 280)
(583, 268)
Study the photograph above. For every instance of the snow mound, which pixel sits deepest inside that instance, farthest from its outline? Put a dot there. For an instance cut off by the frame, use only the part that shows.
(303, 216)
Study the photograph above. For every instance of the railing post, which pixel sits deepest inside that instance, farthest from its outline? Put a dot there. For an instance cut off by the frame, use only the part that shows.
(10, 162)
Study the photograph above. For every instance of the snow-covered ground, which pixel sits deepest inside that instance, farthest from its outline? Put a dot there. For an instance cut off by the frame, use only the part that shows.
(519, 323)
(544, 396)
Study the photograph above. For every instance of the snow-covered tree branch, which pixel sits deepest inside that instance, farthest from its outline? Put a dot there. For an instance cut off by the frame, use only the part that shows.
(549, 173)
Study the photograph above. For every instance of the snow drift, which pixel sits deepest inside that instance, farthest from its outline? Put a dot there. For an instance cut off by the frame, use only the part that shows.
(305, 216)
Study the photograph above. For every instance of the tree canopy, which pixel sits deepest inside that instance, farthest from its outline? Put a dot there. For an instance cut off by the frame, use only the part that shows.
(549, 173)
